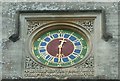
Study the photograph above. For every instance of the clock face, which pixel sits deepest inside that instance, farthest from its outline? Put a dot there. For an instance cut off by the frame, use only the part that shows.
(60, 47)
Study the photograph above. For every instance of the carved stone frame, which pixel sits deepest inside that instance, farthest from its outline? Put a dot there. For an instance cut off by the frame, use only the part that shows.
(99, 33)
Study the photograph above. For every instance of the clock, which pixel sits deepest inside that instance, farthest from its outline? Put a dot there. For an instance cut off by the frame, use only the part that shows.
(60, 44)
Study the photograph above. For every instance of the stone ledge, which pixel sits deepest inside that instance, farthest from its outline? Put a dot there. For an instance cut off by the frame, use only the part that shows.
(60, 80)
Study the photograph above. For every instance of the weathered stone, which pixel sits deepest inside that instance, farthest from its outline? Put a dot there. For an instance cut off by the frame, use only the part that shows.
(107, 56)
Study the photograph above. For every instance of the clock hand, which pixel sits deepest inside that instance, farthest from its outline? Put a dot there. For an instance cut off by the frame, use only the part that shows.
(61, 44)
(59, 55)
(60, 49)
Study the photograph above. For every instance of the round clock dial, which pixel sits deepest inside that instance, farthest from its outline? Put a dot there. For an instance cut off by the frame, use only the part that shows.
(60, 46)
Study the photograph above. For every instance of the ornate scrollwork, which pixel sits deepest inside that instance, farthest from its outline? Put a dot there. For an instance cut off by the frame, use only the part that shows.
(89, 63)
(34, 69)
(31, 64)
(32, 25)
(87, 24)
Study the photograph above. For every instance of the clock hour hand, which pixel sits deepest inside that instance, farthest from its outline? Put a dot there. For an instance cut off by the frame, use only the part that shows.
(60, 55)
(61, 44)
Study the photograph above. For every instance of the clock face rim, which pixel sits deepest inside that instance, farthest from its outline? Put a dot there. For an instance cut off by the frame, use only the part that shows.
(52, 26)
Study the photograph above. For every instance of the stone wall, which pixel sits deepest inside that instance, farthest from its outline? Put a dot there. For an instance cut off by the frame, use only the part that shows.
(107, 57)
(0, 40)
(119, 38)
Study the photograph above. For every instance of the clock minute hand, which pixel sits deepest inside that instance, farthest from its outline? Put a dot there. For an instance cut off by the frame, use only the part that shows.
(60, 49)
(61, 45)
(59, 55)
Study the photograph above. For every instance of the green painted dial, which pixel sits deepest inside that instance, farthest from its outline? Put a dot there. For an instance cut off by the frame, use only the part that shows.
(60, 47)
